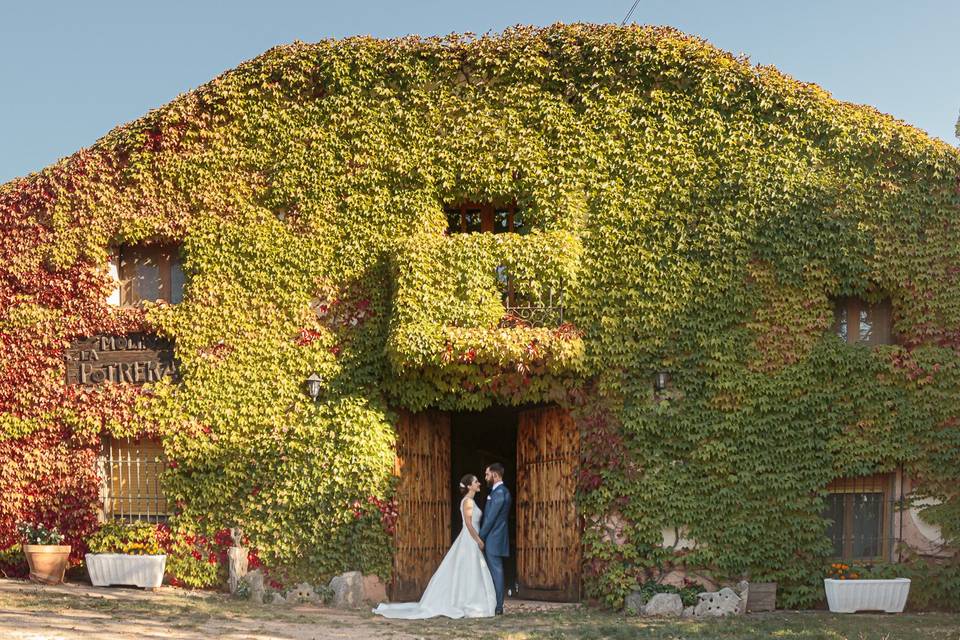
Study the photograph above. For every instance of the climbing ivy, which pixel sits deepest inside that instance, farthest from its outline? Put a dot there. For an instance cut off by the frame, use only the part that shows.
(701, 212)
(448, 347)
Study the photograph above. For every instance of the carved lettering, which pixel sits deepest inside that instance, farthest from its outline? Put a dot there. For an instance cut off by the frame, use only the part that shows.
(132, 359)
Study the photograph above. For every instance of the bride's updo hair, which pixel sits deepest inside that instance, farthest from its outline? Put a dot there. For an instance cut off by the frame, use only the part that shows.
(465, 483)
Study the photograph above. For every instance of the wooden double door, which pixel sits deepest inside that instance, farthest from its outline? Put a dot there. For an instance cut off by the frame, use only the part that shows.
(547, 526)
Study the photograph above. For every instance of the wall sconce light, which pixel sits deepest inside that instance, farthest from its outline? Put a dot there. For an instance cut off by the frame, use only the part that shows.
(660, 381)
(313, 386)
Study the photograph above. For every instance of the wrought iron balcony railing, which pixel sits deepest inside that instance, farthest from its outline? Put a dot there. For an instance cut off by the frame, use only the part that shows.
(521, 310)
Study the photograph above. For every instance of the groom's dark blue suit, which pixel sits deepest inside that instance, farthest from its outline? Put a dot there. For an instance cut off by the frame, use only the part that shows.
(495, 535)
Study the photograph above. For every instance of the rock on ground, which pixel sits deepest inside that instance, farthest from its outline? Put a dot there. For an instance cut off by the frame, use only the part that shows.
(347, 590)
(255, 580)
(633, 604)
(664, 604)
(718, 603)
(303, 592)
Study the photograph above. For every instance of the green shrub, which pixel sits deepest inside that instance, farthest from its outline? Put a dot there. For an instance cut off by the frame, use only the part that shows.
(687, 593)
(134, 538)
(13, 564)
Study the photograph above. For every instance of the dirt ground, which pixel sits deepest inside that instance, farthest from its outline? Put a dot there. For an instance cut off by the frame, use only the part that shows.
(75, 611)
(82, 612)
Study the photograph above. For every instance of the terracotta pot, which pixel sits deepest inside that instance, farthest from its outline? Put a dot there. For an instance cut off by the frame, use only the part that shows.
(47, 562)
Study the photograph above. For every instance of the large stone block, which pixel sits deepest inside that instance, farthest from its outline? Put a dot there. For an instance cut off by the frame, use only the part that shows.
(347, 590)
(664, 604)
(254, 580)
(303, 593)
(718, 604)
(633, 604)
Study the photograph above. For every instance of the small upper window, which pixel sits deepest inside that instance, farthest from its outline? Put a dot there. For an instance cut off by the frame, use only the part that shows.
(859, 322)
(150, 272)
(485, 218)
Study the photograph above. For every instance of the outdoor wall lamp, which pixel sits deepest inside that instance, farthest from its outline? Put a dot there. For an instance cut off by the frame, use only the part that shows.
(660, 381)
(313, 386)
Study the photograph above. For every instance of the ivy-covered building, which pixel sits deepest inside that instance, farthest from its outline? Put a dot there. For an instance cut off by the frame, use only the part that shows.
(706, 314)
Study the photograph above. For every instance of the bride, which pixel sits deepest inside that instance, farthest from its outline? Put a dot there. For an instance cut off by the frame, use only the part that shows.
(462, 586)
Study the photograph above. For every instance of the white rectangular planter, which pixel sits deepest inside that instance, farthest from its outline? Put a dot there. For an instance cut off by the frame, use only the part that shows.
(849, 596)
(106, 569)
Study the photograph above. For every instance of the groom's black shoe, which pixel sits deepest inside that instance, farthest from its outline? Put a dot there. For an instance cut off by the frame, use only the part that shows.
(498, 612)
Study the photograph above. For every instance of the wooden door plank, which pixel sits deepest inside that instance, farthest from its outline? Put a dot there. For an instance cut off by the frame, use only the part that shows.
(423, 533)
(548, 531)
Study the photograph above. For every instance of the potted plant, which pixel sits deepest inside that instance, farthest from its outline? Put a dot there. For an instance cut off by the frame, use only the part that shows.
(46, 557)
(126, 553)
(849, 590)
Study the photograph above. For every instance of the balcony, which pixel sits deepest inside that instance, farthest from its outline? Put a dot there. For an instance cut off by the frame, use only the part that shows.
(524, 312)
(480, 317)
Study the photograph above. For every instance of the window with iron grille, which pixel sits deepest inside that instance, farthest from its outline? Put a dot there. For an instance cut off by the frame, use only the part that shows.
(130, 470)
(859, 514)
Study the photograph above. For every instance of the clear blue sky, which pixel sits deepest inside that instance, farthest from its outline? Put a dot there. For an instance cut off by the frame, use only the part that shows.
(71, 71)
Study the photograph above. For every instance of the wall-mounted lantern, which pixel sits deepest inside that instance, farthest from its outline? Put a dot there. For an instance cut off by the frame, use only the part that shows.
(313, 386)
(660, 381)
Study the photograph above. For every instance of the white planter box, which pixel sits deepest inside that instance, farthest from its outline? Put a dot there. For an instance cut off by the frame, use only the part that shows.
(848, 596)
(106, 569)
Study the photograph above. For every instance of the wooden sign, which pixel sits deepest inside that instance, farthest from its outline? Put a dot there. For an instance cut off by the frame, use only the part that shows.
(132, 359)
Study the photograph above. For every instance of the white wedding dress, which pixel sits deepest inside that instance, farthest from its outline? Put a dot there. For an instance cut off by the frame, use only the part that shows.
(460, 588)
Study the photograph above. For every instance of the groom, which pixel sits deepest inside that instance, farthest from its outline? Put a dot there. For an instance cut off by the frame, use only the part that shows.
(493, 530)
